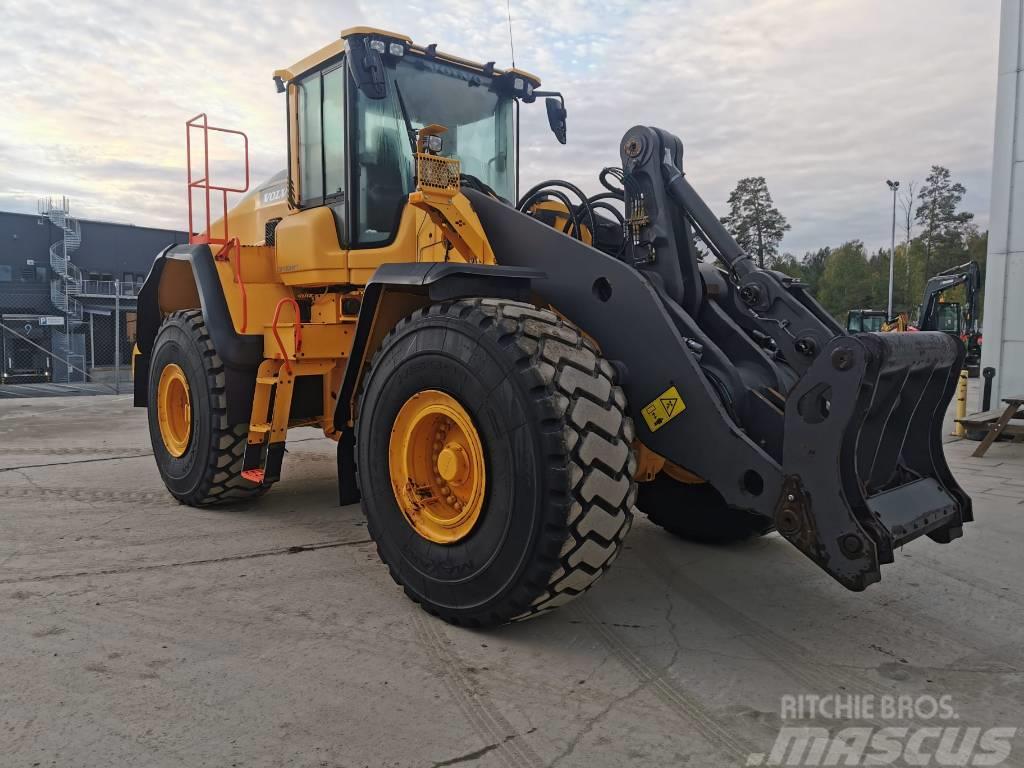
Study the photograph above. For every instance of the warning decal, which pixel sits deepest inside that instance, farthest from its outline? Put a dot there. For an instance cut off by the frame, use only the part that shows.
(663, 409)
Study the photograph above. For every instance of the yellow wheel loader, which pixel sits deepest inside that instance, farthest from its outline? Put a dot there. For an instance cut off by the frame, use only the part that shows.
(504, 373)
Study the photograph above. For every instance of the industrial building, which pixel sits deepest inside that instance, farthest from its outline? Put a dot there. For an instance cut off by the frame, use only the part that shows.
(68, 292)
(1004, 278)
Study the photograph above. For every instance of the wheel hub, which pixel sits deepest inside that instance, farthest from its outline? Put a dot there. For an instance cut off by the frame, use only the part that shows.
(436, 464)
(174, 407)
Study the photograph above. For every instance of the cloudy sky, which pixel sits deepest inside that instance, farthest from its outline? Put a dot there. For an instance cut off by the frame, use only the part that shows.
(825, 98)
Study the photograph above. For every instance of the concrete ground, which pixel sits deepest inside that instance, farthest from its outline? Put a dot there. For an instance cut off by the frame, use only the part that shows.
(137, 632)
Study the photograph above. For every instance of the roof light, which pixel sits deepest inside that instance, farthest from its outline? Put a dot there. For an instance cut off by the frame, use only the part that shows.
(378, 46)
(396, 49)
(518, 84)
(529, 89)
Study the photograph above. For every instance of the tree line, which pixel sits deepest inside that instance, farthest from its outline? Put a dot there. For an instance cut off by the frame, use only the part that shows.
(936, 235)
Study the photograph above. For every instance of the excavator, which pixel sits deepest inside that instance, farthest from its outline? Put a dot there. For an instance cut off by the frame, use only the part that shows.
(509, 376)
(936, 314)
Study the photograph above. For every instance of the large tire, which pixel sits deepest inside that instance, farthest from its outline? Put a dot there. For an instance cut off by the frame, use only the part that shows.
(556, 447)
(209, 471)
(697, 512)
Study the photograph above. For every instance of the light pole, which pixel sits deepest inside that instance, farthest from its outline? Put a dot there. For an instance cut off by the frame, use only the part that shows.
(894, 186)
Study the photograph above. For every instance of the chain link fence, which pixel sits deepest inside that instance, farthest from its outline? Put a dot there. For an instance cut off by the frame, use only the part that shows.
(52, 353)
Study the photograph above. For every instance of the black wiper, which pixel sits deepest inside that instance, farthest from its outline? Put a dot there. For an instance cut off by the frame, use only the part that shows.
(405, 116)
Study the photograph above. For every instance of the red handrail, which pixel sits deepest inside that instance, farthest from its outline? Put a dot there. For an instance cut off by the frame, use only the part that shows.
(204, 182)
(298, 329)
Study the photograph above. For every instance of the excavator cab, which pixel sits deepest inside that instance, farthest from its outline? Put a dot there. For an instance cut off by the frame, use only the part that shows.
(949, 318)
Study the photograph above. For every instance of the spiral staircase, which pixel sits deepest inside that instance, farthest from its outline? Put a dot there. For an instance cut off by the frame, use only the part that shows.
(65, 280)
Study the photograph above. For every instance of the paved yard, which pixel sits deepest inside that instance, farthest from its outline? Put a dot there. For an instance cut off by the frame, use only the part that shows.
(137, 632)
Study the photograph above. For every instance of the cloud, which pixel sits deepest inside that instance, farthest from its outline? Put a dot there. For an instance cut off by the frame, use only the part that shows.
(826, 98)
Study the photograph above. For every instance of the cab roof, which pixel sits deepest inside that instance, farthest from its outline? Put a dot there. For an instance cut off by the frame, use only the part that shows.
(336, 48)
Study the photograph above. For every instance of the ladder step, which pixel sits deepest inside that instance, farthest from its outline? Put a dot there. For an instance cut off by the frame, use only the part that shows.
(253, 475)
(265, 427)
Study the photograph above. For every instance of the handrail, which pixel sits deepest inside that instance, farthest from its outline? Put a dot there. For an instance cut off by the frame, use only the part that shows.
(297, 331)
(204, 184)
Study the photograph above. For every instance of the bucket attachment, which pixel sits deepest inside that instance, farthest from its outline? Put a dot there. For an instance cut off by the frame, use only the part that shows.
(864, 470)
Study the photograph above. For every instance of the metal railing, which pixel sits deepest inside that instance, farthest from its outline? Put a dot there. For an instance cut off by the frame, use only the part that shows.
(95, 355)
(100, 288)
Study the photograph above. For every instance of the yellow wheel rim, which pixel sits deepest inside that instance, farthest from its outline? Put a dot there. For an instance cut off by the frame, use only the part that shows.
(436, 462)
(174, 408)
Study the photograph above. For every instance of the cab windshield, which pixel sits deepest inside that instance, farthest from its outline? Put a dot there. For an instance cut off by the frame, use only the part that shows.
(947, 318)
(479, 124)
(873, 323)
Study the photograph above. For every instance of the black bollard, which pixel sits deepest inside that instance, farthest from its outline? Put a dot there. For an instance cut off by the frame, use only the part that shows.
(986, 396)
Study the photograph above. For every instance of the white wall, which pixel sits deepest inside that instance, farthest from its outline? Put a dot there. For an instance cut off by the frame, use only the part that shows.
(1003, 318)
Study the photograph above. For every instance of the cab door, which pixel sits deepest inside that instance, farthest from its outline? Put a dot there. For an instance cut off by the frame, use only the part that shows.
(312, 243)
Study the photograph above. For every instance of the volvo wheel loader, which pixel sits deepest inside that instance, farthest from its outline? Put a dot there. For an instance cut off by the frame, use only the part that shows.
(507, 377)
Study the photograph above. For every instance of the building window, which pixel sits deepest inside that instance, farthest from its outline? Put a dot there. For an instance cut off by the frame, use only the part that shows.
(5, 273)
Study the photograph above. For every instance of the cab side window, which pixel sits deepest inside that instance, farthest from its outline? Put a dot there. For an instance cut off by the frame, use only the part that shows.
(311, 164)
(320, 121)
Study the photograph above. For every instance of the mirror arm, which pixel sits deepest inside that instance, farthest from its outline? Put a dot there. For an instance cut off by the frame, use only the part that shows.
(541, 94)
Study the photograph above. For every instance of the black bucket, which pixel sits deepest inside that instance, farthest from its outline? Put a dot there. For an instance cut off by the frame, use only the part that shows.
(863, 461)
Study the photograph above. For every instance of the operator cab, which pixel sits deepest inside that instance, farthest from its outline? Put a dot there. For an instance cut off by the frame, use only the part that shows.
(949, 318)
(865, 321)
(354, 110)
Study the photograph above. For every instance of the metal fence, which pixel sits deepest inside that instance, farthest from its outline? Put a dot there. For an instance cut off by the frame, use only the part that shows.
(58, 353)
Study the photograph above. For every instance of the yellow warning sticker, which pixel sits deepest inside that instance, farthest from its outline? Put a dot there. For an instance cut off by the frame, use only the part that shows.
(663, 409)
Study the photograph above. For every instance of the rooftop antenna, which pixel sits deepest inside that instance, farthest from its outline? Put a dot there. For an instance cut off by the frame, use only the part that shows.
(508, 10)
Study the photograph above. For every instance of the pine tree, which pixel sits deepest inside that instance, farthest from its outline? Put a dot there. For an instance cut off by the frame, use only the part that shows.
(754, 220)
(943, 228)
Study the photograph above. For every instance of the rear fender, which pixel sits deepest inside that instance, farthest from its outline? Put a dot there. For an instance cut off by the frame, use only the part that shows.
(185, 277)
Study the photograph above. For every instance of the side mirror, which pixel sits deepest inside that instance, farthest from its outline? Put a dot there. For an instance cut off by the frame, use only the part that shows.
(366, 67)
(556, 118)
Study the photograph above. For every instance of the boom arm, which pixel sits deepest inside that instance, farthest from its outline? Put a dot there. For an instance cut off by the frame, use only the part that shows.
(836, 438)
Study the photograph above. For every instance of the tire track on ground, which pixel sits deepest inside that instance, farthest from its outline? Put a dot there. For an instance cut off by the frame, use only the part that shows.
(797, 661)
(89, 495)
(13, 450)
(681, 702)
(208, 561)
(479, 710)
(73, 461)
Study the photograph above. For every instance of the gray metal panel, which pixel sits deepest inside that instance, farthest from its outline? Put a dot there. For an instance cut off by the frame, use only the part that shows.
(1003, 319)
